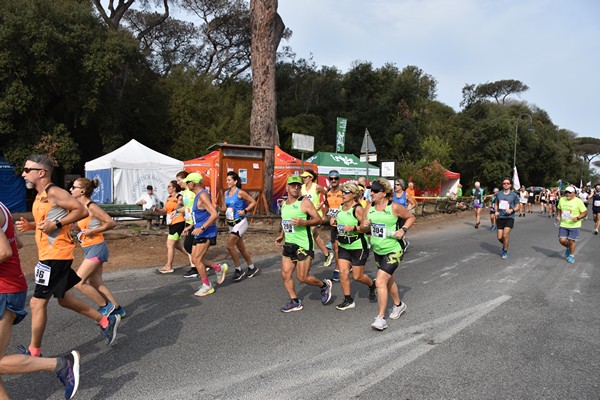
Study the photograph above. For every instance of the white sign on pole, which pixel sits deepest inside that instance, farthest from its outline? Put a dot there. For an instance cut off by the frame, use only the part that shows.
(372, 157)
(304, 143)
(388, 169)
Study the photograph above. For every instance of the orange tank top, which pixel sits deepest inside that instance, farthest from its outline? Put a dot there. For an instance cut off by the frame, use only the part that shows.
(89, 223)
(170, 205)
(58, 245)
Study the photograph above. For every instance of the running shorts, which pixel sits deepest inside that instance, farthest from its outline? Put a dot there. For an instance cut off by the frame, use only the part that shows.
(175, 230)
(200, 240)
(388, 262)
(96, 252)
(502, 223)
(358, 257)
(568, 233)
(62, 278)
(240, 228)
(296, 253)
(14, 302)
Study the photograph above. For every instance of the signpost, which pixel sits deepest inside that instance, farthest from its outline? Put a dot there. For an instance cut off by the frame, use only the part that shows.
(304, 144)
(368, 147)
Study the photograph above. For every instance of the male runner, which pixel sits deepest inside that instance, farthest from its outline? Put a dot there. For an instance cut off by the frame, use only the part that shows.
(506, 203)
(571, 211)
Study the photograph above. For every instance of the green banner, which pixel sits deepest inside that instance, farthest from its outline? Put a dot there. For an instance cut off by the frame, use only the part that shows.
(340, 134)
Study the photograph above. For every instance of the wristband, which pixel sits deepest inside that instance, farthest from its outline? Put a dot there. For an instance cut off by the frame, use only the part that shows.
(58, 224)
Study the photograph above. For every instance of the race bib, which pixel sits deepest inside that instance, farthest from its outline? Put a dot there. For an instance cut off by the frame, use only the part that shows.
(596, 203)
(333, 212)
(229, 213)
(566, 215)
(169, 219)
(341, 231)
(378, 230)
(476, 202)
(503, 205)
(287, 226)
(42, 274)
(188, 214)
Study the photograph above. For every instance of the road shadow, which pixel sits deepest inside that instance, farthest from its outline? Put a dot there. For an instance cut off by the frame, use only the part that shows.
(551, 253)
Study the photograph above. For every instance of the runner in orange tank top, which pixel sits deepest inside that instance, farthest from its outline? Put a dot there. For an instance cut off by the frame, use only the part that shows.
(54, 210)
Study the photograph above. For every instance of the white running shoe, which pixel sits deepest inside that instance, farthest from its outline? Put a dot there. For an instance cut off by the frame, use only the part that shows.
(398, 311)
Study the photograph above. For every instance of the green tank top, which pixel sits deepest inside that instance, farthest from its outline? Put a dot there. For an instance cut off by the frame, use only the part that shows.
(383, 225)
(313, 196)
(188, 203)
(347, 218)
(300, 235)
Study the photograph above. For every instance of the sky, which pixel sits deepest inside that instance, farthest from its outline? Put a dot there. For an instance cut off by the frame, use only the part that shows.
(552, 46)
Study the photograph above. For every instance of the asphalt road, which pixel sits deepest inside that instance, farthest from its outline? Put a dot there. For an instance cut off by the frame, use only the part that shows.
(476, 327)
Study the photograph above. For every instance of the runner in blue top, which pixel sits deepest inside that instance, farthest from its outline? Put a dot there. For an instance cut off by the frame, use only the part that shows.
(237, 203)
(204, 230)
(506, 204)
(477, 194)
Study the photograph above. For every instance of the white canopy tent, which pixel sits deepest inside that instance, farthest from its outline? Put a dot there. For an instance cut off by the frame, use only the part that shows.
(125, 173)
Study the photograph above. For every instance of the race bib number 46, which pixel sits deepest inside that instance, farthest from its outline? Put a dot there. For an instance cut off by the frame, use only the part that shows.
(287, 226)
(378, 230)
(42, 274)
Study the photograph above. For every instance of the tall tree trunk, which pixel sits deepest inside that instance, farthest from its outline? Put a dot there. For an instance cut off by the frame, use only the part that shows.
(267, 31)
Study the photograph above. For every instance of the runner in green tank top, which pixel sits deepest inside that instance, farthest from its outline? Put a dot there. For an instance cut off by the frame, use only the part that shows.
(298, 214)
(353, 249)
(313, 192)
(382, 216)
(188, 203)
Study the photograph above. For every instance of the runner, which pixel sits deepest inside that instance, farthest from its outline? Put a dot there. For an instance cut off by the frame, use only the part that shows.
(205, 232)
(313, 192)
(571, 211)
(237, 204)
(13, 293)
(493, 226)
(95, 250)
(54, 209)
(334, 200)
(530, 199)
(297, 214)
(353, 246)
(382, 220)
(175, 212)
(188, 202)
(596, 208)
(543, 196)
(552, 202)
(507, 203)
(478, 195)
(523, 195)
(585, 196)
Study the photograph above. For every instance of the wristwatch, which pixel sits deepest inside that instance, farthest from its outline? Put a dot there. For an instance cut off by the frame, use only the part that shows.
(58, 224)
(405, 229)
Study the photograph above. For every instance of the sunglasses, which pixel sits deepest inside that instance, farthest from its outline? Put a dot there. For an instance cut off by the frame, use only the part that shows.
(28, 170)
(346, 192)
(375, 190)
(334, 179)
(397, 184)
(506, 183)
(76, 187)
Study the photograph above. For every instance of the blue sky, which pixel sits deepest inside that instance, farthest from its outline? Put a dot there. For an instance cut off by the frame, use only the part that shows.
(552, 46)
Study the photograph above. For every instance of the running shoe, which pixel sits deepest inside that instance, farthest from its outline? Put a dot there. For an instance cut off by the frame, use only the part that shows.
(346, 304)
(504, 254)
(326, 291)
(379, 324)
(335, 276)
(329, 246)
(251, 272)
(107, 309)
(204, 290)
(222, 273)
(238, 274)
(328, 259)
(571, 259)
(477, 225)
(24, 350)
(373, 292)
(110, 332)
(595, 231)
(191, 273)
(69, 373)
(292, 306)
(567, 253)
(398, 311)
(120, 311)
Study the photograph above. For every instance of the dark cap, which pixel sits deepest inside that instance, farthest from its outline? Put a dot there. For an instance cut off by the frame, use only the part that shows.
(149, 187)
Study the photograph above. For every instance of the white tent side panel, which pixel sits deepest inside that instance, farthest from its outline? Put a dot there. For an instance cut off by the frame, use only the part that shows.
(130, 184)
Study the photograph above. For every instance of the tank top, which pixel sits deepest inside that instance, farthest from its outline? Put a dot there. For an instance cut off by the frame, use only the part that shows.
(347, 218)
(234, 205)
(89, 223)
(400, 200)
(200, 216)
(596, 200)
(12, 279)
(299, 235)
(170, 205)
(523, 197)
(313, 196)
(383, 225)
(335, 200)
(188, 203)
(58, 245)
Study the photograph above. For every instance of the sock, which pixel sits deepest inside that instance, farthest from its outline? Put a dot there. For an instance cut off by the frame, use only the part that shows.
(205, 281)
(117, 308)
(348, 298)
(296, 300)
(398, 305)
(251, 266)
(103, 322)
(35, 351)
(324, 285)
(60, 364)
(238, 268)
(216, 267)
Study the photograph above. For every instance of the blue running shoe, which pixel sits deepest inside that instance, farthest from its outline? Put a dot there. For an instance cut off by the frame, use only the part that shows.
(120, 311)
(567, 253)
(69, 373)
(571, 259)
(110, 332)
(504, 254)
(335, 276)
(326, 291)
(292, 306)
(107, 309)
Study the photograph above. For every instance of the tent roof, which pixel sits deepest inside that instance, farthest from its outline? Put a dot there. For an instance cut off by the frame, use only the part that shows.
(133, 155)
(345, 164)
(206, 160)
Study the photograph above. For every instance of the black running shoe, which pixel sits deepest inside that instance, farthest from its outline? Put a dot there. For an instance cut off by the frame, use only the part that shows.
(346, 304)
(192, 273)
(251, 272)
(238, 274)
